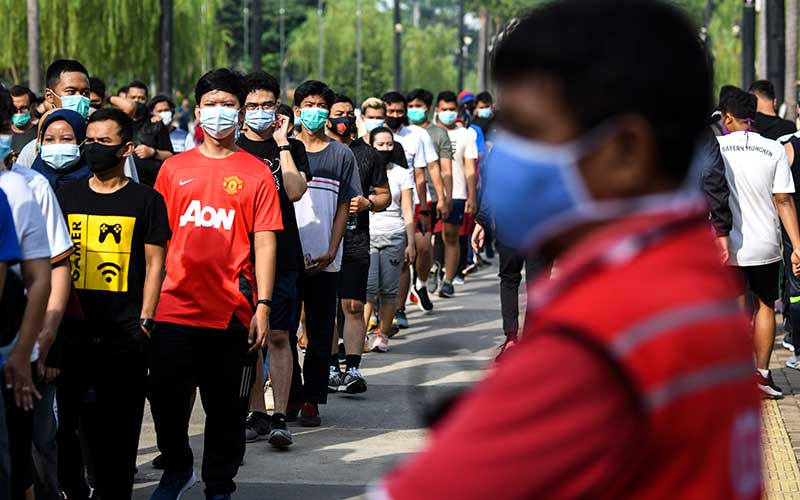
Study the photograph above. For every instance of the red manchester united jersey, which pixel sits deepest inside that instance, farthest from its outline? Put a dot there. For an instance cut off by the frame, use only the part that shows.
(214, 207)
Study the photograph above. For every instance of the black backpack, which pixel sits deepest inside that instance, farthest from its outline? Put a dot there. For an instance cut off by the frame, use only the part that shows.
(12, 307)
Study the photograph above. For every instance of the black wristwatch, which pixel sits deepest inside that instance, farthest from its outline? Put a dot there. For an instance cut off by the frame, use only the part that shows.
(266, 302)
(147, 324)
(371, 206)
(285, 147)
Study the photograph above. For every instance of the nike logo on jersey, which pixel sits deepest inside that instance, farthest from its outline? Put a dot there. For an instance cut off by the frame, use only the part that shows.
(185, 182)
(207, 216)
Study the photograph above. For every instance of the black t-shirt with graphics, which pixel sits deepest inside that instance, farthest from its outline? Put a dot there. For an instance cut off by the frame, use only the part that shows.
(109, 232)
(290, 251)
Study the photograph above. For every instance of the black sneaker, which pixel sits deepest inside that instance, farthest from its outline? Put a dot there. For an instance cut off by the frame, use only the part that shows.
(173, 485)
(447, 290)
(353, 382)
(423, 300)
(334, 379)
(158, 462)
(400, 320)
(256, 427)
(280, 436)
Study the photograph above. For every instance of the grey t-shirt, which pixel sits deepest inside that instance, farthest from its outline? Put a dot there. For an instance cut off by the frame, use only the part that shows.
(441, 142)
(334, 181)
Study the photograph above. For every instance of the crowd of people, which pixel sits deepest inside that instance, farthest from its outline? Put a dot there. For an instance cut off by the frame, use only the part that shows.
(149, 251)
(236, 235)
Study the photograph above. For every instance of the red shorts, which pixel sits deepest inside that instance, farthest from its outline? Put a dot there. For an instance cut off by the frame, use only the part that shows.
(434, 216)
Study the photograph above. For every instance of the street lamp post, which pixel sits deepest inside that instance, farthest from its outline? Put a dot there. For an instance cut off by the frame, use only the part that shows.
(320, 55)
(398, 29)
(748, 32)
(358, 52)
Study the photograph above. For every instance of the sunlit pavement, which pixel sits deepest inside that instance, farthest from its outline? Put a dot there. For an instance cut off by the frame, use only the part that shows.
(364, 436)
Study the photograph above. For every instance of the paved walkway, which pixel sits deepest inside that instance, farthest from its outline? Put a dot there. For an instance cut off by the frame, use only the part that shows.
(363, 436)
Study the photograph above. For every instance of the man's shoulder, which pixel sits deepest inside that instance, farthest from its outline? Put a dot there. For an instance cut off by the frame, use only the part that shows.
(12, 182)
(35, 180)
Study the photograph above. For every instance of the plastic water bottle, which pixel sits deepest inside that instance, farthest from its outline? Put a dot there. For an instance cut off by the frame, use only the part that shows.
(352, 222)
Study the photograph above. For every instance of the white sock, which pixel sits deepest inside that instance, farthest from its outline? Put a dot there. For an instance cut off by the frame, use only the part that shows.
(421, 284)
(764, 373)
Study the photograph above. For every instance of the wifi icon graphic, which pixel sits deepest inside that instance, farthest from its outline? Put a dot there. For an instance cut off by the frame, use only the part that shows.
(109, 270)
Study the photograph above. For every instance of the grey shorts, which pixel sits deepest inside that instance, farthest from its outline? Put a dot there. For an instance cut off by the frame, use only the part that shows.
(386, 256)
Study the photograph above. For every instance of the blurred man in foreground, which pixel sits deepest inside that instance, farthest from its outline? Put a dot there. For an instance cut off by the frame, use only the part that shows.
(635, 376)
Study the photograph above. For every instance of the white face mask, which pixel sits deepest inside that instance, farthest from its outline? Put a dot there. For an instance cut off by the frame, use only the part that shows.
(218, 121)
(60, 156)
(166, 117)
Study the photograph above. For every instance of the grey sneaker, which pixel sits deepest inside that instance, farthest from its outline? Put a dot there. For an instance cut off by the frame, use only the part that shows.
(280, 436)
(446, 290)
(256, 427)
(173, 485)
(353, 382)
(334, 379)
(433, 277)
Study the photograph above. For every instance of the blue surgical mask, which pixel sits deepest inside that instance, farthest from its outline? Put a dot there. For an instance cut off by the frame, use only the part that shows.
(5, 146)
(448, 117)
(484, 112)
(20, 119)
(416, 115)
(218, 121)
(77, 103)
(313, 118)
(534, 190)
(372, 123)
(60, 156)
(259, 119)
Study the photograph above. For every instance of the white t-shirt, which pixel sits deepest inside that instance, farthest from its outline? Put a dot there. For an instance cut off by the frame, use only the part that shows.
(28, 155)
(31, 231)
(464, 146)
(391, 220)
(755, 168)
(413, 143)
(57, 233)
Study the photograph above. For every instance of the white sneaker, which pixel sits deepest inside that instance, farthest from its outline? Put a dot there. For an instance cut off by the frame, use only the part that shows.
(793, 363)
(787, 343)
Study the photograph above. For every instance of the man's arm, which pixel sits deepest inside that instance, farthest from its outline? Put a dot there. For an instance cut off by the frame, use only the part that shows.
(784, 202)
(265, 245)
(469, 174)
(715, 186)
(446, 168)
(60, 286)
(382, 197)
(154, 257)
(434, 168)
(125, 105)
(36, 275)
(294, 181)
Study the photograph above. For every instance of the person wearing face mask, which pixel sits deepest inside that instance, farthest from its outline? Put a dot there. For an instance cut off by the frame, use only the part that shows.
(266, 138)
(224, 212)
(420, 155)
(162, 107)
(60, 143)
(484, 112)
(122, 230)
(392, 242)
(150, 135)
(321, 218)
(464, 199)
(97, 94)
(23, 125)
(760, 181)
(661, 370)
(352, 286)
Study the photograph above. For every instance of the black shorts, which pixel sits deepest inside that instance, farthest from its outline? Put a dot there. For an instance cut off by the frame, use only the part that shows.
(353, 275)
(456, 216)
(763, 280)
(434, 215)
(283, 314)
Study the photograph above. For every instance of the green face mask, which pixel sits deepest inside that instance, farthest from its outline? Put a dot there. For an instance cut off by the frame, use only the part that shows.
(416, 115)
(20, 119)
(77, 103)
(313, 118)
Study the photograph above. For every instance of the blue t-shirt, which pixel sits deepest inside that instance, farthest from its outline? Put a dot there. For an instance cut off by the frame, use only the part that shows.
(480, 140)
(9, 246)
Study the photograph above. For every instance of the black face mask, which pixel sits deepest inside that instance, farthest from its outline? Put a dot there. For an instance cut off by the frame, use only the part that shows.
(100, 157)
(342, 126)
(386, 157)
(395, 122)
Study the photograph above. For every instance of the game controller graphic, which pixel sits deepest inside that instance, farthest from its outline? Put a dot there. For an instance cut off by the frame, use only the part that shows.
(115, 231)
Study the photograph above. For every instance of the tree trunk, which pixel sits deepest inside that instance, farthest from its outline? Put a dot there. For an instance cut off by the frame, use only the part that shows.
(483, 48)
(256, 33)
(34, 69)
(165, 48)
(791, 59)
(761, 43)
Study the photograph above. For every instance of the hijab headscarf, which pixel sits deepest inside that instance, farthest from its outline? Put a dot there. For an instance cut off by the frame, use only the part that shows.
(79, 170)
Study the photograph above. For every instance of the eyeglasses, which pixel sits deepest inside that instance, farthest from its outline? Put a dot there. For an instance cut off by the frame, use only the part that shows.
(266, 106)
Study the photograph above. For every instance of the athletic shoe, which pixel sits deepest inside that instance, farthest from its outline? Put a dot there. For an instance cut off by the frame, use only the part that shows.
(256, 427)
(459, 279)
(309, 416)
(353, 382)
(173, 485)
(334, 379)
(433, 277)
(768, 388)
(423, 301)
(292, 411)
(510, 343)
(447, 291)
(379, 343)
(158, 462)
(471, 269)
(400, 320)
(793, 363)
(373, 324)
(787, 342)
(279, 436)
